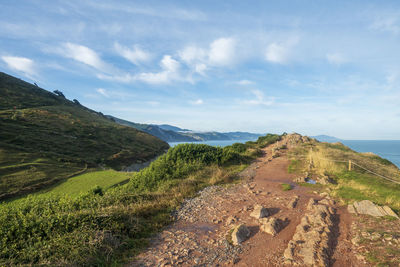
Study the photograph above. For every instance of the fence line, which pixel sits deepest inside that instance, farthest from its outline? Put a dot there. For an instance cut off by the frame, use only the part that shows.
(353, 163)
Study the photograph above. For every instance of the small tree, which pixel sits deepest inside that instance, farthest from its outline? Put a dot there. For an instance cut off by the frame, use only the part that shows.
(76, 102)
(59, 93)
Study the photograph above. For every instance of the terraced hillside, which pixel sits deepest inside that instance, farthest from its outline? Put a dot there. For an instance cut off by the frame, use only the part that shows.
(45, 138)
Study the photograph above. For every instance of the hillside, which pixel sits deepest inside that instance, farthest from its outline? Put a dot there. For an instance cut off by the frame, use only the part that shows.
(46, 138)
(284, 219)
(171, 133)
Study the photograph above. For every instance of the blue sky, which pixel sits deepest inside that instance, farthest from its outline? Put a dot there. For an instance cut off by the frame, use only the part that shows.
(313, 67)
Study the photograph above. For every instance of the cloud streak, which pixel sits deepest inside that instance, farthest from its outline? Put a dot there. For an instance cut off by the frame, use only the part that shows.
(20, 64)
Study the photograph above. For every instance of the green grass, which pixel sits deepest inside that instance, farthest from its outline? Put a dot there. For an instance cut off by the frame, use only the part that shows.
(286, 187)
(83, 183)
(355, 186)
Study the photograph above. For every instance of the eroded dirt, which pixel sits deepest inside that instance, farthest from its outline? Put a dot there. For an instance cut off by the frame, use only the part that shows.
(200, 236)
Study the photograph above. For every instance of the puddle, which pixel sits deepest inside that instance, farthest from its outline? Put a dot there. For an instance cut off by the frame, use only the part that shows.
(311, 181)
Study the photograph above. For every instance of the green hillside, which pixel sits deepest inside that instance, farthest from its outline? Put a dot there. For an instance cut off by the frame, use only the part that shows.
(46, 138)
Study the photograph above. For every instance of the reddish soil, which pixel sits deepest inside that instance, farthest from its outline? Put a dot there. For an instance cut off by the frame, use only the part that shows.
(203, 233)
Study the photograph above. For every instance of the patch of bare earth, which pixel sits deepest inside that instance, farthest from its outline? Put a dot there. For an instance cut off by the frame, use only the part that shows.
(318, 233)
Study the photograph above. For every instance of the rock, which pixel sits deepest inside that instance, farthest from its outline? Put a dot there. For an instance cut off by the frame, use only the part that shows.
(271, 226)
(302, 179)
(324, 180)
(293, 203)
(230, 220)
(367, 207)
(240, 233)
(259, 212)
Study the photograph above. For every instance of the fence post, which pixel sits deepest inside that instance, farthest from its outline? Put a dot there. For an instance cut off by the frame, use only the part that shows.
(349, 165)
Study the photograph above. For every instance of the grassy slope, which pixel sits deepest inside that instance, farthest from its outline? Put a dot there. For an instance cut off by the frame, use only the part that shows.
(85, 182)
(351, 185)
(46, 138)
(93, 229)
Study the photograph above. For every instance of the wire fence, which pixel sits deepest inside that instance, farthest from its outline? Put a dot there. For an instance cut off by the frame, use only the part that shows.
(351, 162)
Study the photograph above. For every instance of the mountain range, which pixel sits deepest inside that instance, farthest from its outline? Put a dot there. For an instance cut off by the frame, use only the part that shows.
(169, 133)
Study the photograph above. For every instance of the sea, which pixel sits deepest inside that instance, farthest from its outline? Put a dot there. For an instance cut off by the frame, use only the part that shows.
(388, 149)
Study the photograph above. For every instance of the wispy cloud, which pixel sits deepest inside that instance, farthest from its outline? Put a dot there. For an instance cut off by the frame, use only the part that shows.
(197, 102)
(82, 54)
(245, 82)
(336, 58)
(136, 55)
(103, 92)
(260, 99)
(280, 52)
(390, 23)
(21, 64)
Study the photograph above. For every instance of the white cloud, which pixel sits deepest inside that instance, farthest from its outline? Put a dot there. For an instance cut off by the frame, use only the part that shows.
(103, 92)
(84, 55)
(201, 68)
(280, 53)
(260, 99)
(245, 82)
(135, 55)
(222, 51)
(276, 53)
(336, 58)
(387, 24)
(192, 54)
(170, 71)
(197, 102)
(22, 64)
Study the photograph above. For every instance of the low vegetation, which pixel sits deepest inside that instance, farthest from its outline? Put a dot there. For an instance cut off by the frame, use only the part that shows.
(286, 187)
(333, 160)
(102, 226)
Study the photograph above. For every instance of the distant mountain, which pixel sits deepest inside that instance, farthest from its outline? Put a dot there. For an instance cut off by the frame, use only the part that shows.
(156, 130)
(326, 138)
(170, 133)
(45, 138)
(172, 128)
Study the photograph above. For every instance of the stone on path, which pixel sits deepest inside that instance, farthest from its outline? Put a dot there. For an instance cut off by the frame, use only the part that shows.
(369, 208)
(271, 226)
(259, 212)
(240, 233)
(293, 203)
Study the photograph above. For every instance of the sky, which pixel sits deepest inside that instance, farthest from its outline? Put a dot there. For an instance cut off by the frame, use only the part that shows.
(312, 67)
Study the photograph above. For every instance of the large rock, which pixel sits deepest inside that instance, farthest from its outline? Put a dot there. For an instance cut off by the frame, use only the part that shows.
(369, 208)
(271, 226)
(240, 233)
(259, 212)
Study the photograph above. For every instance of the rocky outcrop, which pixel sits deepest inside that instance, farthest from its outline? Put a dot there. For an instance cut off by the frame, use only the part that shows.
(310, 244)
(369, 208)
(259, 212)
(271, 226)
(240, 233)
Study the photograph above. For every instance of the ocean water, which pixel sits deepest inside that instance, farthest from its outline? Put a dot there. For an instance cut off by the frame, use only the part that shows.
(388, 149)
(220, 143)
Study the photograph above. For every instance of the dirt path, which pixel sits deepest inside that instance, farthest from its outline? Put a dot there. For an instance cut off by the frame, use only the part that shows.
(199, 236)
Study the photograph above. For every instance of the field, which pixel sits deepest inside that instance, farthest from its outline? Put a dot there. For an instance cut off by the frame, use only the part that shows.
(84, 183)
